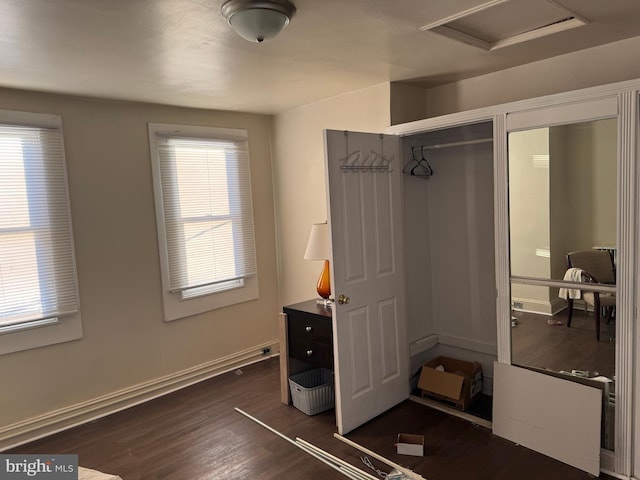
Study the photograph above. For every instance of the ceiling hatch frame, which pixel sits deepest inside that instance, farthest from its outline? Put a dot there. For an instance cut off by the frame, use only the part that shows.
(443, 27)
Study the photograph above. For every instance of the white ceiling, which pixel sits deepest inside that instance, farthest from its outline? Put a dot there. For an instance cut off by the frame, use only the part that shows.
(182, 52)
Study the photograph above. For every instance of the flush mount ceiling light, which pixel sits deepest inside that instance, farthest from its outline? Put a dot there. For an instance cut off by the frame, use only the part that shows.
(256, 20)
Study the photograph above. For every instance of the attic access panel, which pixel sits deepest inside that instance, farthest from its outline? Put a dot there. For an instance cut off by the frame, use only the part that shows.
(500, 23)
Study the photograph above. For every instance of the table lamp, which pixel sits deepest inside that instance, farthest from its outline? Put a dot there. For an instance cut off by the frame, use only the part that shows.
(318, 249)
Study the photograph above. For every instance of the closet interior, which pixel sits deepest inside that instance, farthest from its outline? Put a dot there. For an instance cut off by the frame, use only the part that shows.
(449, 245)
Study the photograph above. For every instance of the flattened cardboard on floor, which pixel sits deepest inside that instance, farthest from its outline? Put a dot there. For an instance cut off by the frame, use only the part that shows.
(569, 430)
(458, 384)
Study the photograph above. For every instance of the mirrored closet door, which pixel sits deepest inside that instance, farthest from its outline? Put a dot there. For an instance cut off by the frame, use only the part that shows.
(562, 184)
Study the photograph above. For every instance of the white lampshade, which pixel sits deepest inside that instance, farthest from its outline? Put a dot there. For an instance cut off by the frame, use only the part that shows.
(318, 244)
(256, 20)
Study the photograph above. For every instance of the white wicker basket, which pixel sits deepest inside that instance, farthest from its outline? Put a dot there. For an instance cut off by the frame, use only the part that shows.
(313, 392)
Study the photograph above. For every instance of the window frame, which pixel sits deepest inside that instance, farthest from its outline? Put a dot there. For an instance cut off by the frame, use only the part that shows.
(175, 306)
(63, 328)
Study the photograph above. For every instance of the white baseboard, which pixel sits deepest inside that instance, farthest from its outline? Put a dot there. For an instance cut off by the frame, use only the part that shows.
(423, 344)
(608, 464)
(451, 411)
(528, 305)
(557, 305)
(469, 344)
(64, 418)
(539, 307)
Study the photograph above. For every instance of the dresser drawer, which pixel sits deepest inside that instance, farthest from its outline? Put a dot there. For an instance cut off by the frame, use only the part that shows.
(316, 354)
(309, 328)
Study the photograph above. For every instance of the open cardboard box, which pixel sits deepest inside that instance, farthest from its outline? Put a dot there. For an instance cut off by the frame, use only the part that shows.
(410, 444)
(459, 384)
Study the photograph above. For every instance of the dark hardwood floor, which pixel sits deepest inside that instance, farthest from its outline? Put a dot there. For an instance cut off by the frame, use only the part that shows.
(195, 434)
(546, 342)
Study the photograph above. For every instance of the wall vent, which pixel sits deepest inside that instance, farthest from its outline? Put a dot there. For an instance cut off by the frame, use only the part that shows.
(540, 161)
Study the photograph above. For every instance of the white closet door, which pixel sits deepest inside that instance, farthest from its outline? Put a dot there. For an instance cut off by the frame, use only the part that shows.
(553, 416)
(365, 218)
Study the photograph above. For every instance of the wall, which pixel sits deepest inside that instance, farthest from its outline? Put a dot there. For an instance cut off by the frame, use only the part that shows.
(417, 245)
(126, 342)
(529, 227)
(300, 176)
(590, 152)
(586, 68)
(408, 103)
(567, 200)
(462, 243)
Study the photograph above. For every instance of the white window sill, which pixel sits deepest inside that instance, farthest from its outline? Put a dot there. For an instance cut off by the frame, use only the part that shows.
(175, 308)
(66, 330)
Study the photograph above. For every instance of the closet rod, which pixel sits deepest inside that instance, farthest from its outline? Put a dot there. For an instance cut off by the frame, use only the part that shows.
(457, 144)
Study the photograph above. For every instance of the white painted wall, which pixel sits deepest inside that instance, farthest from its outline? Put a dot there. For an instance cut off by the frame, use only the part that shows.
(408, 103)
(529, 224)
(301, 199)
(462, 250)
(608, 63)
(126, 341)
(417, 239)
(589, 151)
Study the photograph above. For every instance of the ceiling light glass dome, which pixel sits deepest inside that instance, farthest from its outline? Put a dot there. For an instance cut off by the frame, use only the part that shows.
(257, 21)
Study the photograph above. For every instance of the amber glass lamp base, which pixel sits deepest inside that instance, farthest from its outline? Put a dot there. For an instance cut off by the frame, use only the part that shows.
(324, 282)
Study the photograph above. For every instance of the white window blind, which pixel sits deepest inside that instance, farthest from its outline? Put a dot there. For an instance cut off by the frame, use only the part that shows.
(37, 270)
(207, 212)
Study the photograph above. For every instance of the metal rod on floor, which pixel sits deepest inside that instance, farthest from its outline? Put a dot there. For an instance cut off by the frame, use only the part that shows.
(364, 475)
(346, 472)
(400, 468)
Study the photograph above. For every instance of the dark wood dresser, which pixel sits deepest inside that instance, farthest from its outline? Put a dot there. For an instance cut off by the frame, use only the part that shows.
(306, 341)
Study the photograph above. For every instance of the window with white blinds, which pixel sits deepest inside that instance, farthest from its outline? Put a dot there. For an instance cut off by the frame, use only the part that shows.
(37, 272)
(39, 303)
(204, 211)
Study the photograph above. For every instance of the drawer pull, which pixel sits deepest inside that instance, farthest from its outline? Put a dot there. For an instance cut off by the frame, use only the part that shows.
(308, 329)
(309, 353)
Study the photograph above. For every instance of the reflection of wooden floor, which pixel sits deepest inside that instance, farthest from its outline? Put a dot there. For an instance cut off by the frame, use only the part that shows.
(535, 343)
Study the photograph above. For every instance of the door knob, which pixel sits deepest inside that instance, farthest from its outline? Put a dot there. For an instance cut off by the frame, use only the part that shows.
(342, 299)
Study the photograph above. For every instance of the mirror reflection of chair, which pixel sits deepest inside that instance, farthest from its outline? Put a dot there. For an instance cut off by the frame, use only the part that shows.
(597, 267)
